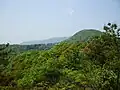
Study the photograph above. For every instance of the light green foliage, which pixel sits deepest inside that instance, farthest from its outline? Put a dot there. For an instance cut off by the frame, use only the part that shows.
(92, 65)
(34, 67)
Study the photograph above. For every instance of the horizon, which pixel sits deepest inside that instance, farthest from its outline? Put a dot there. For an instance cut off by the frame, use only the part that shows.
(27, 20)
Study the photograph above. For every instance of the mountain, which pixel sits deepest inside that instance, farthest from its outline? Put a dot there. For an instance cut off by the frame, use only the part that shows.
(46, 41)
(83, 35)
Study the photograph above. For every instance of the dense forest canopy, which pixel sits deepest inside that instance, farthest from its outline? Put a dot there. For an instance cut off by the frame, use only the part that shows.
(88, 65)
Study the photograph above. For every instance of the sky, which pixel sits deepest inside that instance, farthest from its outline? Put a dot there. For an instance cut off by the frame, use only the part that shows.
(26, 20)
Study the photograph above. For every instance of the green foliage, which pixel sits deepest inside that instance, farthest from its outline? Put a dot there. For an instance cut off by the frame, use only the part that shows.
(34, 67)
(104, 52)
(22, 48)
(4, 54)
(91, 65)
(101, 49)
(4, 57)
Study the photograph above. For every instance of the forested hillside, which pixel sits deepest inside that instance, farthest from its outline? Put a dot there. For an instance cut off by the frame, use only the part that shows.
(83, 35)
(21, 48)
(85, 65)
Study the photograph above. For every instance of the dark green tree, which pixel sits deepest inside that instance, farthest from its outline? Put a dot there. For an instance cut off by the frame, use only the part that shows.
(4, 54)
(4, 57)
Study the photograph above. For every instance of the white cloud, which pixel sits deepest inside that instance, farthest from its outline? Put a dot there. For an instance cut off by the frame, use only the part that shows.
(71, 11)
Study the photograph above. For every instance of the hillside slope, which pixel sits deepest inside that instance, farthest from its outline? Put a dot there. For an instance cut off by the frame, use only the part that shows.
(83, 35)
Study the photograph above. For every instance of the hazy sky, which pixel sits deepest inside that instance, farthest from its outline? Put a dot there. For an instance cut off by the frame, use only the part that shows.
(25, 20)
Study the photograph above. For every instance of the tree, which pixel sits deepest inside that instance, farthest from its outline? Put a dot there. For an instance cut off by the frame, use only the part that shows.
(4, 54)
(4, 57)
(104, 51)
(115, 31)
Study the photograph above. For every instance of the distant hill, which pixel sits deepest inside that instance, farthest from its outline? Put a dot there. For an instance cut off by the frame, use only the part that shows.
(83, 35)
(46, 41)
